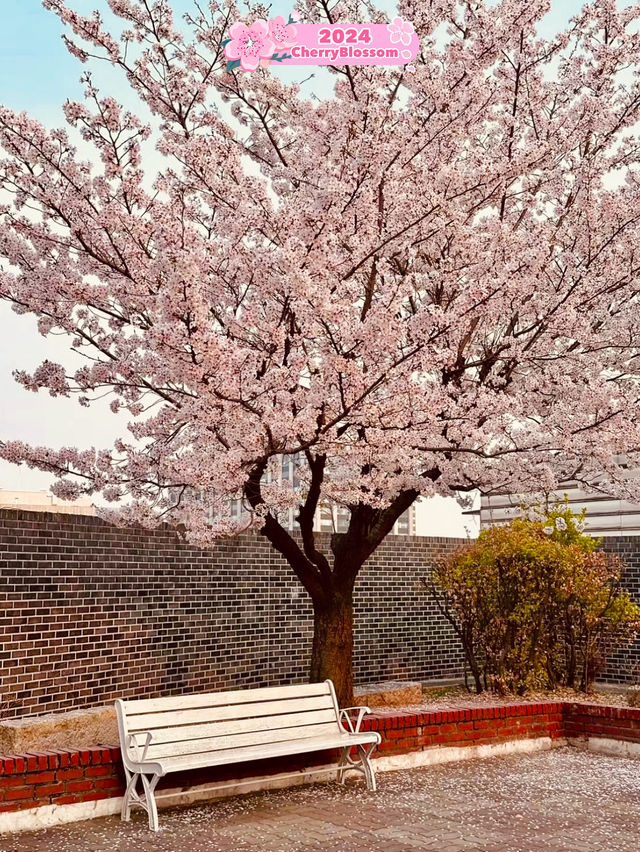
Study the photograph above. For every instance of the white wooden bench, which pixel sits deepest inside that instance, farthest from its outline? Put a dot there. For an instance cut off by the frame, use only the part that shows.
(163, 735)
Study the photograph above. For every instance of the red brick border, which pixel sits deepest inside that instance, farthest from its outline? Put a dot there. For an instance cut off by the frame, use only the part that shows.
(56, 777)
(59, 777)
(597, 720)
(477, 726)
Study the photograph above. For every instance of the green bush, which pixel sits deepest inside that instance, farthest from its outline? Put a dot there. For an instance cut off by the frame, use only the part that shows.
(536, 604)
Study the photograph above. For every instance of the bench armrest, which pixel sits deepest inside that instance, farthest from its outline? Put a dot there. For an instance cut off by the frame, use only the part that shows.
(132, 742)
(354, 724)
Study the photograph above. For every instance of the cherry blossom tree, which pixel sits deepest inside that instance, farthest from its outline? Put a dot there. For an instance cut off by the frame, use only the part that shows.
(412, 283)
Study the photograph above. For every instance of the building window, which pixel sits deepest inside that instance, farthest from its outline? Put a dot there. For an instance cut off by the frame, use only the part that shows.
(403, 524)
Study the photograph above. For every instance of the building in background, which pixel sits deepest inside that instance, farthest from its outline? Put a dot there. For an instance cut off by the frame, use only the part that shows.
(606, 516)
(334, 518)
(44, 501)
(329, 517)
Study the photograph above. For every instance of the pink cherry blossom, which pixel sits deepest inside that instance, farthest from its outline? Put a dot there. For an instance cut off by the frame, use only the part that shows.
(295, 15)
(250, 44)
(281, 33)
(401, 31)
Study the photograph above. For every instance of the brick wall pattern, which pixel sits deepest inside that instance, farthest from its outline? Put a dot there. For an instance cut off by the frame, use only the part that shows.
(624, 665)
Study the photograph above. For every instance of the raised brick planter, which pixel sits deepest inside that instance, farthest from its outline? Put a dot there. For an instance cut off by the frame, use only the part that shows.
(57, 778)
(62, 778)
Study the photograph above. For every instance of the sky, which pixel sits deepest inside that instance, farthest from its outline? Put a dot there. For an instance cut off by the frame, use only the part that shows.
(37, 74)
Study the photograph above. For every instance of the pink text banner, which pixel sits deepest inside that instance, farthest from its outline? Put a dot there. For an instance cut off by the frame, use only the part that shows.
(288, 42)
(357, 44)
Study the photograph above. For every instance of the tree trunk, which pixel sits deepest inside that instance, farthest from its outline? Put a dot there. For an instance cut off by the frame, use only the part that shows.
(330, 587)
(332, 653)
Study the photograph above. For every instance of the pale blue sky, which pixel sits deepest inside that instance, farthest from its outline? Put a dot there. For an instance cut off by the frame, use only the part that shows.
(36, 71)
(37, 75)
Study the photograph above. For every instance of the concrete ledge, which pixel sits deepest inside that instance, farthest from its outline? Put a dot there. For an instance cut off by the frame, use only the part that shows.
(206, 793)
(392, 693)
(50, 815)
(59, 731)
(603, 745)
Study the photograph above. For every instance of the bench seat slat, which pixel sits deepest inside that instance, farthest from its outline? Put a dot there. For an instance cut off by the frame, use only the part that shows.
(216, 699)
(259, 752)
(236, 741)
(241, 726)
(175, 718)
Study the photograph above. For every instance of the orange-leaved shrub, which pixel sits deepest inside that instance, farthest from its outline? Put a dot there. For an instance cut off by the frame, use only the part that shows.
(535, 603)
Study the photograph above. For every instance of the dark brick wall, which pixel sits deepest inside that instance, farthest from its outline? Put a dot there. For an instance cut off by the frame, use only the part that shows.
(624, 665)
(89, 612)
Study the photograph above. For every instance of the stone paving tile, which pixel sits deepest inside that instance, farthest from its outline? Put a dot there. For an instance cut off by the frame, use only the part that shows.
(562, 801)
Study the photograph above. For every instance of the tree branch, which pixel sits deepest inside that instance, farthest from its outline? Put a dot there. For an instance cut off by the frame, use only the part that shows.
(307, 513)
(280, 538)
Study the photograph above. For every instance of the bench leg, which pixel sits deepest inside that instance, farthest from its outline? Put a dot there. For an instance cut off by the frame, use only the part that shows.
(367, 768)
(150, 800)
(147, 801)
(363, 764)
(129, 793)
(345, 763)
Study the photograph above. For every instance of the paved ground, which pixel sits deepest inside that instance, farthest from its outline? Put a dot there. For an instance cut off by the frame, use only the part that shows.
(561, 800)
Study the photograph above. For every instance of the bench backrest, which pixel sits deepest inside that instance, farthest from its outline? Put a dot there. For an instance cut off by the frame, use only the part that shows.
(190, 724)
